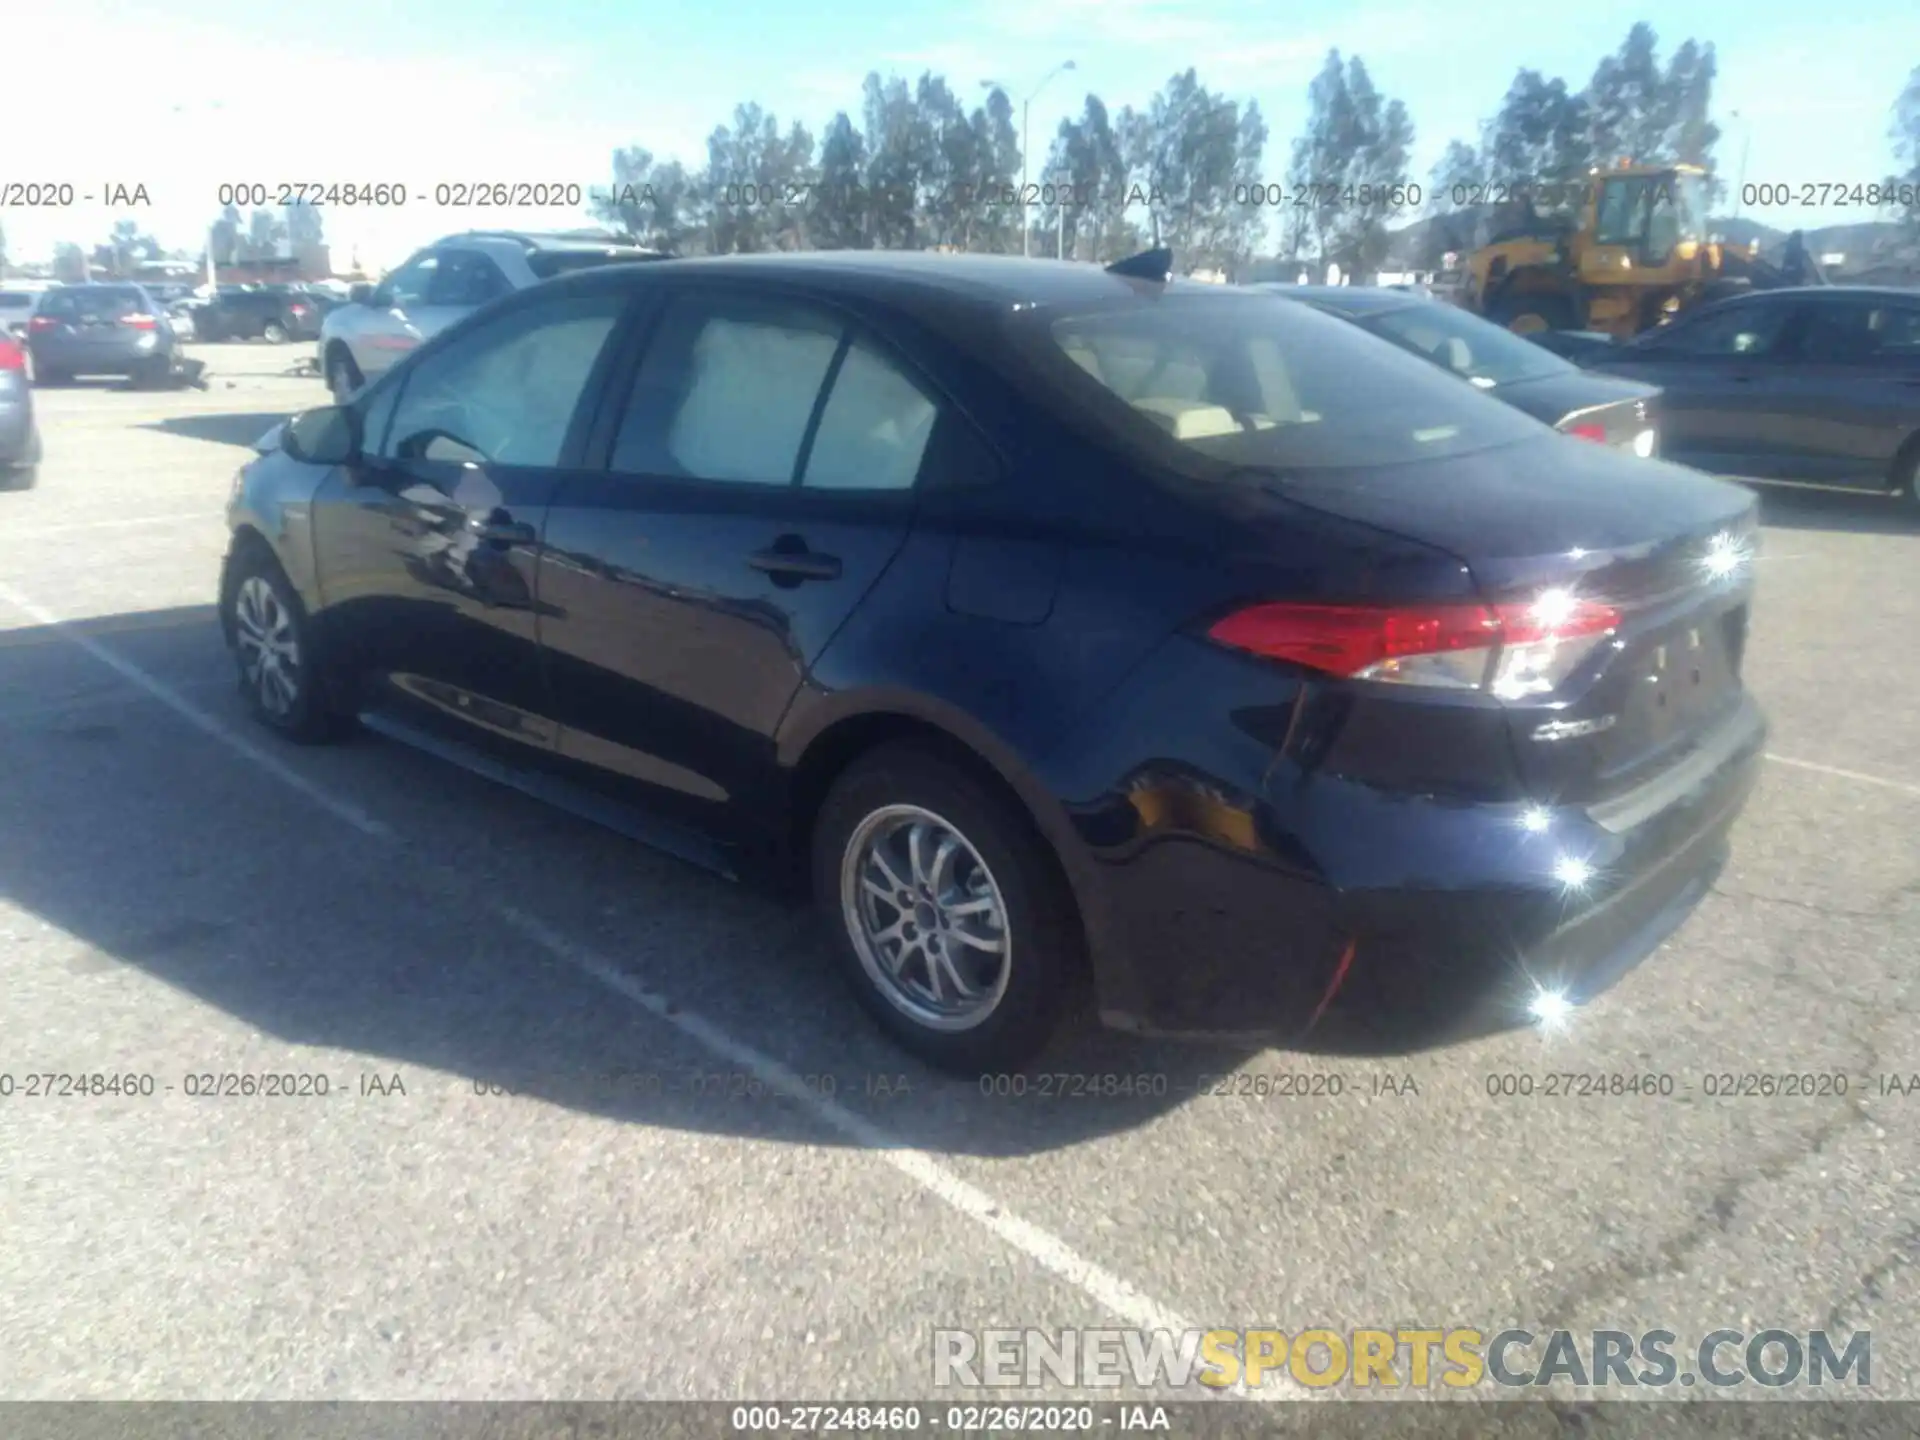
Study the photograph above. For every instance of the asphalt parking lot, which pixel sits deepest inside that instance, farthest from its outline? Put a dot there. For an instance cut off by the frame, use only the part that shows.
(182, 896)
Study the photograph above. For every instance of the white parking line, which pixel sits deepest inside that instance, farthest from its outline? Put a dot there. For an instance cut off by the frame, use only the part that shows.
(1901, 785)
(198, 718)
(35, 532)
(1117, 1296)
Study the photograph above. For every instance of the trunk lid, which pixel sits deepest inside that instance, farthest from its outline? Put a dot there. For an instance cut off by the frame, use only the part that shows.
(1668, 549)
(1607, 408)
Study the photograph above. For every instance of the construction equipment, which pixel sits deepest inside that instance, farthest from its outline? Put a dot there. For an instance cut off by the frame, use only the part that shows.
(1632, 255)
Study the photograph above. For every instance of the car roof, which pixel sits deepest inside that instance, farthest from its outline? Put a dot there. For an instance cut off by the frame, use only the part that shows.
(1828, 292)
(535, 242)
(988, 282)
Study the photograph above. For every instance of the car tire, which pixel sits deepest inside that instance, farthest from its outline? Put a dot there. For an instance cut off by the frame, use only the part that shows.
(1907, 480)
(343, 376)
(19, 477)
(273, 333)
(275, 658)
(978, 869)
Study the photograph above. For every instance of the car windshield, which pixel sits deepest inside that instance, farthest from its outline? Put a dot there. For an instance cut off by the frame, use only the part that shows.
(1482, 353)
(1260, 382)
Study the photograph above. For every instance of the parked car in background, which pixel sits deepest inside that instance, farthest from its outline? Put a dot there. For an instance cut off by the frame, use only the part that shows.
(116, 329)
(16, 310)
(275, 313)
(440, 284)
(1603, 408)
(19, 435)
(1816, 386)
(1043, 620)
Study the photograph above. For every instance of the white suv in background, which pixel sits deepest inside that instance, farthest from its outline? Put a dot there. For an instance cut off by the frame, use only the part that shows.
(449, 279)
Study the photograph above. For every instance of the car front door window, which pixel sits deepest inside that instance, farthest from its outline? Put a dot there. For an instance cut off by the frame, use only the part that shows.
(407, 288)
(505, 395)
(466, 280)
(1738, 332)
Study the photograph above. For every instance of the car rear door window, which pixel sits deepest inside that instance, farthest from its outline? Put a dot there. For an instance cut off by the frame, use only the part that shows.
(1861, 333)
(874, 429)
(507, 393)
(727, 391)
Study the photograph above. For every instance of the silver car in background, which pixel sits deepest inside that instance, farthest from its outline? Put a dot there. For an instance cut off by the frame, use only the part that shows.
(446, 281)
(16, 309)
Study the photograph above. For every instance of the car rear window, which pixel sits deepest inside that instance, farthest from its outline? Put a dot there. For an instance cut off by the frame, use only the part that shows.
(15, 300)
(95, 302)
(1257, 381)
(548, 263)
(1472, 348)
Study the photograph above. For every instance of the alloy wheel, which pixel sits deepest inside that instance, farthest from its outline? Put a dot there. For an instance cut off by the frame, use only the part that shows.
(927, 918)
(269, 648)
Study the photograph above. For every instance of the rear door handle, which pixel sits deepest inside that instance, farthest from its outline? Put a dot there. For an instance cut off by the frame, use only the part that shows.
(503, 532)
(796, 563)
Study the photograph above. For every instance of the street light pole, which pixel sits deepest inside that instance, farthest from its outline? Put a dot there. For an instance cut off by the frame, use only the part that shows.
(1026, 228)
(1746, 145)
(1026, 110)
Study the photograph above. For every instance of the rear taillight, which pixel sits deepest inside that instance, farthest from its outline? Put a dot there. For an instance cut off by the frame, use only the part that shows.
(40, 324)
(1589, 432)
(1512, 649)
(12, 357)
(298, 309)
(138, 322)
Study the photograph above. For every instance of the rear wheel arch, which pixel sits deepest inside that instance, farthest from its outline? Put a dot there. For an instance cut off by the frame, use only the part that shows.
(1903, 476)
(836, 747)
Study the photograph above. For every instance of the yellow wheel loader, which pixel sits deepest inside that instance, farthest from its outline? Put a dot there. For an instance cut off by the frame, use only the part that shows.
(1634, 254)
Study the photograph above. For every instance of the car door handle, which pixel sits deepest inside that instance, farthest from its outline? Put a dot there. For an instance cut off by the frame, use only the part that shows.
(503, 532)
(789, 559)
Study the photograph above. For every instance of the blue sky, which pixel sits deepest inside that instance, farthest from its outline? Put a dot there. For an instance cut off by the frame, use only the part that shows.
(435, 90)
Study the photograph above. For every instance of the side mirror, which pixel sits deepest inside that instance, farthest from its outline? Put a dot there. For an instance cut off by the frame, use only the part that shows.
(361, 294)
(329, 435)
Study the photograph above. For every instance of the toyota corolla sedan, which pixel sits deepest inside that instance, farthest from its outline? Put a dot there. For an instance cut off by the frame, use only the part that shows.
(1047, 624)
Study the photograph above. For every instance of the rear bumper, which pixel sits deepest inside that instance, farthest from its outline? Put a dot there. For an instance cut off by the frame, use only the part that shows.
(1312, 912)
(120, 358)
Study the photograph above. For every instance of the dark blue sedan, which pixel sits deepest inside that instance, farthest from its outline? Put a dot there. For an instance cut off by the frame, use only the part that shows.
(1042, 622)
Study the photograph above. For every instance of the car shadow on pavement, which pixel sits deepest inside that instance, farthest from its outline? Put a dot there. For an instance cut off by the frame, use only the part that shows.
(479, 948)
(1845, 511)
(240, 429)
